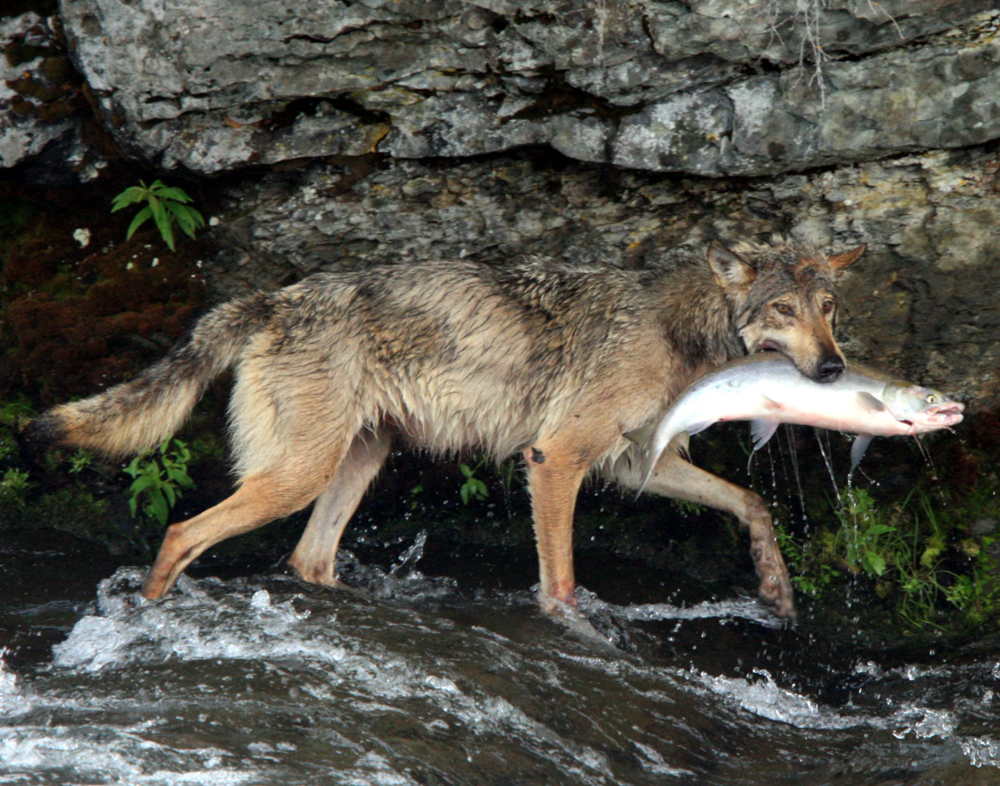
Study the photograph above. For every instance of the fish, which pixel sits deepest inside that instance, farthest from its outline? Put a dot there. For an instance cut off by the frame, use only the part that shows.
(767, 389)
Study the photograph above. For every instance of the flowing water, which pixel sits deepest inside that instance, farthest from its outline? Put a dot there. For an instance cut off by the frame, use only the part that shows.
(452, 679)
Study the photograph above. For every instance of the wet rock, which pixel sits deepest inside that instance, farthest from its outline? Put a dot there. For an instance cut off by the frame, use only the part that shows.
(708, 87)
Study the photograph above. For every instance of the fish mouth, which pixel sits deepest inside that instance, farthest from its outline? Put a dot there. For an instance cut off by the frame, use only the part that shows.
(946, 414)
(943, 415)
(947, 409)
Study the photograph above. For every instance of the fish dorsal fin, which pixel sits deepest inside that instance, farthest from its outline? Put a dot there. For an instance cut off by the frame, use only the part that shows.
(861, 443)
(870, 403)
(762, 431)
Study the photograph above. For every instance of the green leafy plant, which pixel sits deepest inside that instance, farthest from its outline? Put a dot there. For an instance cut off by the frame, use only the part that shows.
(688, 508)
(13, 487)
(911, 555)
(167, 206)
(158, 480)
(80, 461)
(473, 487)
(869, 541)
(16, 412)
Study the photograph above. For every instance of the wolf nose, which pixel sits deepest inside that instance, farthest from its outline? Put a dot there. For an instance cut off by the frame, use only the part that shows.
(829, 369)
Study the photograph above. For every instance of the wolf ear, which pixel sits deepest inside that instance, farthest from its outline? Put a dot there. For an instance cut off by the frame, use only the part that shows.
(730, 269)
(840, 262)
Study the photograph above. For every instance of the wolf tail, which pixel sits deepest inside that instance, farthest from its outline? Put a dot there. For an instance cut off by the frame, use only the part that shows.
(137, 415)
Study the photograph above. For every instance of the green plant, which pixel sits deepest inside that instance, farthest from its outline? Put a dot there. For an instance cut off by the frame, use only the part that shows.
(868, 540)
(80, 461)
(158, 480)
(688, 508)
(473, 487)
(812, 570)
(16, 412)
(167, 206)
(414, 493)
(13, 487)
(910, 553)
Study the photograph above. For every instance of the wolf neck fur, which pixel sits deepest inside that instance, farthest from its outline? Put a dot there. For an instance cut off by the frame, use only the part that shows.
(706, 331)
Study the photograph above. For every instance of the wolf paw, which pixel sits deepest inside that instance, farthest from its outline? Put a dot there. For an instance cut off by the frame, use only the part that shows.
(775, 587)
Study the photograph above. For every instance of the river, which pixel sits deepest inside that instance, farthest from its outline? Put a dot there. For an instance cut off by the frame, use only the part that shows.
(434, 671)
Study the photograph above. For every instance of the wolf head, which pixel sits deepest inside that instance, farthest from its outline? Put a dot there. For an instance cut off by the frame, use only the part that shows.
(783, 298)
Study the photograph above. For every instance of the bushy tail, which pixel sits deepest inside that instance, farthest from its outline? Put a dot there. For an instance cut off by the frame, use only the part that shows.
(138, 415)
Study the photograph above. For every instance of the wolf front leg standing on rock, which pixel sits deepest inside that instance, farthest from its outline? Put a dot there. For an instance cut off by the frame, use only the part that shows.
(546, 359)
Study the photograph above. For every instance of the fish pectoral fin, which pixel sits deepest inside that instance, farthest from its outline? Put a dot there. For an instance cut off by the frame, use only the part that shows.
(762, 431)
(696, 428)
(869, 403)
(640, 436)
(861, 443)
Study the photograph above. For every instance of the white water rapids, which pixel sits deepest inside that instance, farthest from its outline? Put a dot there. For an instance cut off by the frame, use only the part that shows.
(269, 681)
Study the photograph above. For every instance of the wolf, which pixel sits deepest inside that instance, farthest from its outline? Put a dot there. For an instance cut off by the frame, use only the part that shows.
(539, 357)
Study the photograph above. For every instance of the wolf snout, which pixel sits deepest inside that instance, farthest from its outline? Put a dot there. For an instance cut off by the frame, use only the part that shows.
(829, 368)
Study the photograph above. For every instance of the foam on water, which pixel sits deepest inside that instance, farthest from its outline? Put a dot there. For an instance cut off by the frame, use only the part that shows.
(981, 752)
(12, 698)
(727, 609)
(105, 754)
(200, 625)
(189, 625)
(765, 698)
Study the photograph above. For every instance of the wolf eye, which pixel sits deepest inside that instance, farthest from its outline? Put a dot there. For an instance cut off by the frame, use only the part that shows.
(784, 309)
(828, 306)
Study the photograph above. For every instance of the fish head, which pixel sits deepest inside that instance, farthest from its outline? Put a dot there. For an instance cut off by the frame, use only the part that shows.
(923, 408)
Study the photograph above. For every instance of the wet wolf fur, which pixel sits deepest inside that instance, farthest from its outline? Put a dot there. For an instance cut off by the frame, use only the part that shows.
(552, 361)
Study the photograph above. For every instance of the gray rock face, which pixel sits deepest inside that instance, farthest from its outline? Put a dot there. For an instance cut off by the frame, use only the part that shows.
(40, 129)
(922, 301)
(712, 87)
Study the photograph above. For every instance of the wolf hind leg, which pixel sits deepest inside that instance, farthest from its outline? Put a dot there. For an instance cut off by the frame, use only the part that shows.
(314, 558)
(263, 497)
(676, 478)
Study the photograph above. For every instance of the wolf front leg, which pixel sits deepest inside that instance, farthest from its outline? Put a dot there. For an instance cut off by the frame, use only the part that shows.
(554, 478)
(676, 478)
(315, 556)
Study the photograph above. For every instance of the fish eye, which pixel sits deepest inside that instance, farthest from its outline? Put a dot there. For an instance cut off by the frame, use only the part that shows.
(784, 309)
(931, 398)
